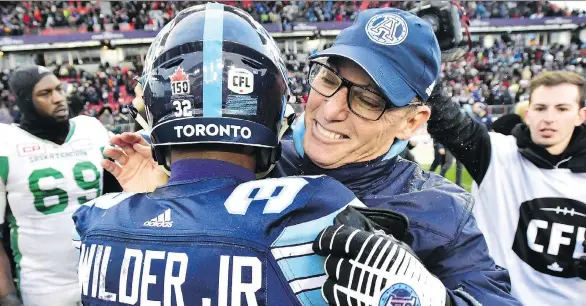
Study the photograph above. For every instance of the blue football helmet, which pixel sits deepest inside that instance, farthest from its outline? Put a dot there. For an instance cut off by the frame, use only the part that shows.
(213, 75)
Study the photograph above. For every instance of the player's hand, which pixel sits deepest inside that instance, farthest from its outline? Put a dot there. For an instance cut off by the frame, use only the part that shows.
(373, 268)
(133, 165)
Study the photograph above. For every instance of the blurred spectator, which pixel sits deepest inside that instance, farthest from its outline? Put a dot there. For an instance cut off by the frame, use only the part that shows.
(105, 116)
(506, 123)
(5, 116)
(441, 158)
(521, 109)
(480, 115)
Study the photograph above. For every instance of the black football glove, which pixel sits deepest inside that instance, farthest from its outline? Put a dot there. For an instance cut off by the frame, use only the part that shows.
(367, 266)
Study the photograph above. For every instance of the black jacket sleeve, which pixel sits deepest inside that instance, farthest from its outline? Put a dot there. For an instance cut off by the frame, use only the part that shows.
(110, 183)
(467, 139)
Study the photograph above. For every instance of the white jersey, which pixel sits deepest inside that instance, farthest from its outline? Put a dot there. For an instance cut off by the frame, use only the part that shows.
(534, 221)
(44, 183)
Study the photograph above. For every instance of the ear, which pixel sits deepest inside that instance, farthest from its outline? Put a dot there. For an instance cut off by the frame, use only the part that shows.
(581, 116)
(413, 120)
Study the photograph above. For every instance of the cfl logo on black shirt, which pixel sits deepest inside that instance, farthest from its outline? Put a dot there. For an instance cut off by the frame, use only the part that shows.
(550, 235)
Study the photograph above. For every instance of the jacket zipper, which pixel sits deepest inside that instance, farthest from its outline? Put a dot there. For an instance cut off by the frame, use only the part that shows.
(561, 162)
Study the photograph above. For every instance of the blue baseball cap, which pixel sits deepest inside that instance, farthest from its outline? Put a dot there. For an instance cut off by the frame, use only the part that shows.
(396, 48)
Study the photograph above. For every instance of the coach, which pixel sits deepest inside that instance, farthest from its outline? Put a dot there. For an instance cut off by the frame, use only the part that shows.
(367, 99)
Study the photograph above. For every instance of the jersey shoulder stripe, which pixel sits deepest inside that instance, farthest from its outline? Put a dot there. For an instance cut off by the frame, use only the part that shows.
(301, 267)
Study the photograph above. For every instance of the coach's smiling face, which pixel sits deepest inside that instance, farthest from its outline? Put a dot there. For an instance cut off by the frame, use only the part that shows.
(335, 136)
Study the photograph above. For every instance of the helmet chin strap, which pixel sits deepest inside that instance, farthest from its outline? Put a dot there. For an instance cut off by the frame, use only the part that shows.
(145, 126)
(282, 132)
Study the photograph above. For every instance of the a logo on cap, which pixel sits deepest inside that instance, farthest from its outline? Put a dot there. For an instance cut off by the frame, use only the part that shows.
(387, 29)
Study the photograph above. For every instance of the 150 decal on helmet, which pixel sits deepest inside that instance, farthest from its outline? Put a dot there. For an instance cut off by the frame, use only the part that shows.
(180, 82)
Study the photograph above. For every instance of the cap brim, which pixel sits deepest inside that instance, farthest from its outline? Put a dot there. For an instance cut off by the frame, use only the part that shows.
(392, 85)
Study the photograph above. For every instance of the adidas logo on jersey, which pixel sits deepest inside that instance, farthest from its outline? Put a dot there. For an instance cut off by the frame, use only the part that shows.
(162, 220)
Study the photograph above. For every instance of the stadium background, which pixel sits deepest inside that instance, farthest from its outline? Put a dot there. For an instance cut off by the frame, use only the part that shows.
(97, 47)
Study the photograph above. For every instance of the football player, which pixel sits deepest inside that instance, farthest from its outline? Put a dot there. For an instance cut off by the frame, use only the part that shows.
(213, 235)
(49, 165)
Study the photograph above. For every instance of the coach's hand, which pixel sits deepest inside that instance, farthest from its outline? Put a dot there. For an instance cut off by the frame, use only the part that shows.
(133, 165)
(374, 269)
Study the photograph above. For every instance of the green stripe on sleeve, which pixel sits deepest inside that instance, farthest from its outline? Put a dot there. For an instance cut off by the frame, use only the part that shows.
(4, 168)
(14, 246)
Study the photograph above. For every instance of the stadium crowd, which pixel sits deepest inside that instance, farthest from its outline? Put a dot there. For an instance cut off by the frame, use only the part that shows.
(486, 76)
(500, 75)
(494, 76)
(28, 17)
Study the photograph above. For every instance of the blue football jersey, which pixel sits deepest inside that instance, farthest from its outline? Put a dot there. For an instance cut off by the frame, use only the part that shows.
(214, 240)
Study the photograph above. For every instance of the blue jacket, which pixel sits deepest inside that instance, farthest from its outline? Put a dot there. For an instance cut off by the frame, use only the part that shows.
(446, 237)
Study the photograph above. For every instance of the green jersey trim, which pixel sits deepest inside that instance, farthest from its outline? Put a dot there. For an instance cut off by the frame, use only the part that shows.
(71, 130)
(4, 169)
(14, 246)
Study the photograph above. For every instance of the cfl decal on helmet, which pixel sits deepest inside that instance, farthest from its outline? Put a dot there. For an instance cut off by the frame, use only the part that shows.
(200, 130)
(240, 81)
(214, 97)
(180, 82)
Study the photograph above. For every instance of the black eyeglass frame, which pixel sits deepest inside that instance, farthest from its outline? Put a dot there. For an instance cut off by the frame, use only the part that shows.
(349, 84)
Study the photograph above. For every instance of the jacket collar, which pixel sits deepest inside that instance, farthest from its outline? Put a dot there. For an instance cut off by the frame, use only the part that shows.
(573, 158)
(362, 178)
(201, 169)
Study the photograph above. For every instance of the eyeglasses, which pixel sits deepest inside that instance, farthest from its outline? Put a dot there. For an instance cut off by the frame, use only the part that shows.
(362, 101)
